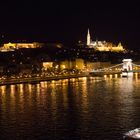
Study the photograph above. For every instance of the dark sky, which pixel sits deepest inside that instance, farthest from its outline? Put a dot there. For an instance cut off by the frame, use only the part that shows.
(67, 21)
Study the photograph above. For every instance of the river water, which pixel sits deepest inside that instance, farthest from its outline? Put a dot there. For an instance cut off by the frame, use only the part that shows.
(93, 108)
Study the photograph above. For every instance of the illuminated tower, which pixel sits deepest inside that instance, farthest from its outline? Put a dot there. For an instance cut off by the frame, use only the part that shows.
(88, 38)
(127, 64)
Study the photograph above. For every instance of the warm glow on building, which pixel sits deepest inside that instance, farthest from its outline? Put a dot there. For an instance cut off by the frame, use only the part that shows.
(47, 65)
(25, 45)
(103, 45)
(77, 64)
(65, 64)
(13, 46)
(9, 46)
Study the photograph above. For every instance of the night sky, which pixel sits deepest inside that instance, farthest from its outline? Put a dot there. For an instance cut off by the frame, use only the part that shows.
(67, 21)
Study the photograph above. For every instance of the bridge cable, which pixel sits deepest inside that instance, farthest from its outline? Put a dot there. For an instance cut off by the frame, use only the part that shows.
(110, 67)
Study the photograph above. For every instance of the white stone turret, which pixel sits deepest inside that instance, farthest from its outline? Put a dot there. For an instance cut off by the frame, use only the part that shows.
(88, 38)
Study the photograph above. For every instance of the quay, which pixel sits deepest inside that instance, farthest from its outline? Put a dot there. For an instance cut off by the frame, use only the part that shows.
(126, 68)
(102, 73)
(38, 79)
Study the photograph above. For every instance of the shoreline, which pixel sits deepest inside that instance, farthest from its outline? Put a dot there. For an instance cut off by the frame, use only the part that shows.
(33, 80)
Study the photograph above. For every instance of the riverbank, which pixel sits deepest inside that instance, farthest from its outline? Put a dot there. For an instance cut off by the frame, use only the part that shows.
(39, 79)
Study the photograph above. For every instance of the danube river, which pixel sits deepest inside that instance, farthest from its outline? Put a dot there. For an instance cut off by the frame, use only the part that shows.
(92, 108)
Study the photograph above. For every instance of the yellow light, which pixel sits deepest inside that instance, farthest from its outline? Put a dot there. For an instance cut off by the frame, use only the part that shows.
(56, 66)
(29, 87)
(116, 75)
(110, 76)
(38, 88)
(12, 87)
(136, 75)
(63, 66)
(21, 88)
(3, 88)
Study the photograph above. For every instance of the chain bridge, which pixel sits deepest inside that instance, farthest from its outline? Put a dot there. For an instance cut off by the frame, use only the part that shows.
(125, 66)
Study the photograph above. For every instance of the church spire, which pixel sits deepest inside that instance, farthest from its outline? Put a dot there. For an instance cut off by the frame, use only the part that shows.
(88, 38)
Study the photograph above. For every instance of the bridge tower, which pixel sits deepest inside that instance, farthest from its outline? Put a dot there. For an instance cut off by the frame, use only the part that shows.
(127, 65)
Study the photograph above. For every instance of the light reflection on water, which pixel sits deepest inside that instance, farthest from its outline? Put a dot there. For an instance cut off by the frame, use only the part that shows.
(84, 108)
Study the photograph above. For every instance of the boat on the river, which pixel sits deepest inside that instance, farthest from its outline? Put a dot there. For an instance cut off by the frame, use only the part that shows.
(132, 134)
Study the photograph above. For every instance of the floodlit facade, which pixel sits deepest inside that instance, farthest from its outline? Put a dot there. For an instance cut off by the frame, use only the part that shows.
(13, 46)
(77, 64)
(47, 65)
(103, 45)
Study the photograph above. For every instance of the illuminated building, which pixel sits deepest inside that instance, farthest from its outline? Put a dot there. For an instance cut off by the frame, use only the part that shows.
(103, 45)
(75, 64)
(13, 46)
(47, 65)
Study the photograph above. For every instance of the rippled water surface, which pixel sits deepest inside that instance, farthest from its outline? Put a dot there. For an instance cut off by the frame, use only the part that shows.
(96, 108)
